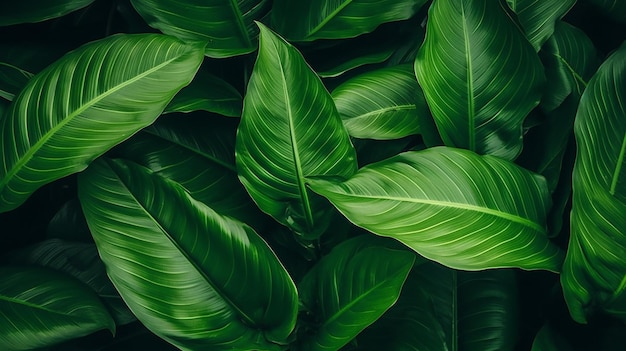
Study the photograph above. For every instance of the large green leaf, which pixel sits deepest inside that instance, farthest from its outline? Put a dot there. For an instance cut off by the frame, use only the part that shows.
(381, 104)
(307, 20)
(349, 289)
(208, 93)
(290, 129)
(421, 197)
(594, 270)
(480, 76)
(199, 154)
(570, 59)
(81, 261)
(538, 17)
(84, 104)
(194, 277)
(40, 307)
(226, 26)
(29, 11)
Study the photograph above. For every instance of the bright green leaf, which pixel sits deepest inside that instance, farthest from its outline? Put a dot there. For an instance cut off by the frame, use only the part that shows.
(30, 11)
(290, 129)
(594, 272)
(40, 307)
(308, 20)
(381, 104)
(350, 288)
(85, 103)
(480, 76)
(193, 277)
(538, 17)
(226, 26)
(420, 198)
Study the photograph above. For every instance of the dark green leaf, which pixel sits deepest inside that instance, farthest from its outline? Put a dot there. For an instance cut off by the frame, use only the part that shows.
(594, 270)
(290, 129)
(12, 80)
(307, 20)
(615, 9)
(40, 307)
(538, 17)
(208, 93)
(69, 224)
(381, 104)
(480, 76)
(29, 11)
(225, 25)
(195, 278)
(420, 197)
(548, 339)
(350, 288)
(84, 104)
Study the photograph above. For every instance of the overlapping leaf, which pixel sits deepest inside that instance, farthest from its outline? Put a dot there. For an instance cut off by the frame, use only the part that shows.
(480, 76)
(452, 206)
(538, 17)
(381, 104)
(226, 26)
(308, 20)
(29, 11)
(193, 277)
(84, 104)
(594, 270)
(40, 307)
(290, 129)
(350, 288)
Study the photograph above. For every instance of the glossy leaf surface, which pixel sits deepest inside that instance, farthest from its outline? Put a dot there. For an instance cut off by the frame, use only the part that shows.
(186, 272)
(29, 11)
(41, 307)
(538, 17)
(226, 26)
(350, 288)
(84, 104)
(290, 129)
(480, 76)
(308, 20)
(420, 197)
(381, 104)
(594, 270)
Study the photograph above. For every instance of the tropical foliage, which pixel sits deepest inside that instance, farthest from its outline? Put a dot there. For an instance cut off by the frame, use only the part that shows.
(313, 175)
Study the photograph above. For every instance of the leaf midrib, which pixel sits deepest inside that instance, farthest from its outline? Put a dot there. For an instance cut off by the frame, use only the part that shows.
(37, 307)
(44, 139)
(470, 84)
(457, 205)
(406, 107)
(240, 25)
(328, 18)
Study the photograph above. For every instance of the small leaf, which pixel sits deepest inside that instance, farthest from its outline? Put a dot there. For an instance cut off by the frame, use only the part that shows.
(69, 114)
(350, 288)
(308, 20)
(186, 272)
(30, 11)
(480, 76)
(226, 26)
(420, 197)
(381, 104)
(69, 224)
(42, 307)
(538, 17)
(289, 129)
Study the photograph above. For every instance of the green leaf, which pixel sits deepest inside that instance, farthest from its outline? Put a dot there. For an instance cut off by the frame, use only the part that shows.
(594, 272)
(350, 288)
(69, 223)
(30, 11)
(207, 93)
(81, 261)
(186, 272)
(538, 17)
(225, 25)
(480, 76)
(548, 339)
(290, 129)
(85, 103)
(308, 20)
(199, 154)
(615, 9)
(12, 80)
(42, 307)
(420, 197)
(570, 59)
(381, 104)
